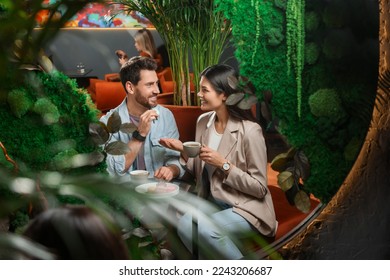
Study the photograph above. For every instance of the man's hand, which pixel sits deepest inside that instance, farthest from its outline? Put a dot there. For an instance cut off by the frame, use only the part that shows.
(145, 121)
(167, 173)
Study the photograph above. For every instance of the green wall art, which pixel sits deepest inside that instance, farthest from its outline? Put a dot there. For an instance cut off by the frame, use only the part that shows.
(319, 59)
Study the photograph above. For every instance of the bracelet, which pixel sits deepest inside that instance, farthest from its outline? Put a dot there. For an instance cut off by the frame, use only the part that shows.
(138, 136)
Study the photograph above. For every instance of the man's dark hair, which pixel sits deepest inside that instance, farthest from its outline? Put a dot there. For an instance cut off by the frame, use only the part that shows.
(130, 71)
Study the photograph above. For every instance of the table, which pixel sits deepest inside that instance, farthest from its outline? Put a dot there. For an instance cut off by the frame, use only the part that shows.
(82, 79)
(74, 73)
(166, 206)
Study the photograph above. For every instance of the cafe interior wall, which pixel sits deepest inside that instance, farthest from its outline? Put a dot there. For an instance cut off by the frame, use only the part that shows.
(95, 48)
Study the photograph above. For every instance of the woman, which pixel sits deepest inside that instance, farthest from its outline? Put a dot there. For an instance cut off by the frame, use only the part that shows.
(231, 169)
(76, 232)
(144, 43)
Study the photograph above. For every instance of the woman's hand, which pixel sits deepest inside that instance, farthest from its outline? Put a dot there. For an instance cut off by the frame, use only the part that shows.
(211, 157)
(172, 143)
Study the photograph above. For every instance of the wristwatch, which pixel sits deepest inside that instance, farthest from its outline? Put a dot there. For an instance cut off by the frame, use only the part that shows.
(226, 166)
(138, 136)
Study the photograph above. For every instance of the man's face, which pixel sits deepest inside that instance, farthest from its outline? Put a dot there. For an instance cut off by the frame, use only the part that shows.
(146, 91)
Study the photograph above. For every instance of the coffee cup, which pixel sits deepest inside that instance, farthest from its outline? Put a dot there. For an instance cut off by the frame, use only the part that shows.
(192, 148)
(139, 176)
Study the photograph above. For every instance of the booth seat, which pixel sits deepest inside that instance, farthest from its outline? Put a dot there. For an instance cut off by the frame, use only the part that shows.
(106, 95)
(186, 117)
(291, 221)
(165, 98)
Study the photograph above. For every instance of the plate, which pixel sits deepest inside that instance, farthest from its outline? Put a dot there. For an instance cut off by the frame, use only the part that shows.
(153, 190)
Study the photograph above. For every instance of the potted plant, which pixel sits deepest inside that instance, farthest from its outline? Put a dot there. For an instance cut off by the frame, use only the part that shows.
(195, 33)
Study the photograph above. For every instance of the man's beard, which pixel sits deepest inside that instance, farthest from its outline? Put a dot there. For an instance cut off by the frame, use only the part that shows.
(143, 101)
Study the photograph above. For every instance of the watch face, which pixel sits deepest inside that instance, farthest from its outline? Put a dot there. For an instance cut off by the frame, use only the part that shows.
(226, 166)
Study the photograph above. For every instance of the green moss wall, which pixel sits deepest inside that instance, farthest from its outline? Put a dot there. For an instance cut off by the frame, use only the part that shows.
(44, 123)
(338, 79)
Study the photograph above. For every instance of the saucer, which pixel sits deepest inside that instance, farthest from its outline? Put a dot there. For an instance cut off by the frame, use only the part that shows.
(152, 190)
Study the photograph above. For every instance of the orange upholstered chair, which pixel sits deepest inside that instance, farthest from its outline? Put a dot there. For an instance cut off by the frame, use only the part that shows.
(112, 77)
(106, 95)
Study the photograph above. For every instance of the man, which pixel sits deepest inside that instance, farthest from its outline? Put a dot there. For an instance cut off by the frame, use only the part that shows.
(139, 78)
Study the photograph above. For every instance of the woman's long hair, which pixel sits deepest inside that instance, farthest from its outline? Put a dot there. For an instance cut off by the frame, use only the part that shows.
(146, 42)
(218, 75)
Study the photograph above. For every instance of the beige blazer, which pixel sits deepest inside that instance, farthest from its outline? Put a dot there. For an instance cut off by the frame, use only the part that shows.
(245, 187)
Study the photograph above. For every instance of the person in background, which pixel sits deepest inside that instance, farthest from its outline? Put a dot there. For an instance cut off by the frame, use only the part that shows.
(230, 171)
(76, 232)
(144, 43)
(139, 78)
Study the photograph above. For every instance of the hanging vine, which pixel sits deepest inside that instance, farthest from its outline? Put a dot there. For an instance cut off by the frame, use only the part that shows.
(295, 37)
(256, 6)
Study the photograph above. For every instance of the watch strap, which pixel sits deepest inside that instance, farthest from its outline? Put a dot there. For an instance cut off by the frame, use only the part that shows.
(138, 136)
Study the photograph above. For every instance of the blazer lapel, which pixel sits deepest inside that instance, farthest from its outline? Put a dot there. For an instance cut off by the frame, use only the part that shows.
(205, 136)
(229, 138)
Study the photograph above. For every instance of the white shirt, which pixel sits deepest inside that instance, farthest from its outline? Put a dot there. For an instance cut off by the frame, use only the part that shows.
(214, 140)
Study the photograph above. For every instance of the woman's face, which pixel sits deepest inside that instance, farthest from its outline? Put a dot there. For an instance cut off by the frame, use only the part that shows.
(137, 45)
(210, 99)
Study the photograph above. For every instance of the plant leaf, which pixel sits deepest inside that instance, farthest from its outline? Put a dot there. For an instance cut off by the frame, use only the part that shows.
(114, 123)
(279, 162)
(247, 103)
(128, 128)
(302, 201)
(285, 180)
(265, 111)
(141, 232)
(291, 153)
(14, 246)
(144, 244)
(99, 133)
(303, 165)
(117, 148)
(233, 82)
(295, 171)
(290, 195)
(166, 254)
(234, 98)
